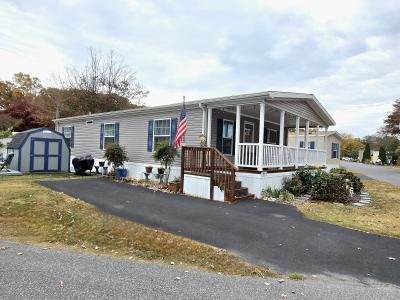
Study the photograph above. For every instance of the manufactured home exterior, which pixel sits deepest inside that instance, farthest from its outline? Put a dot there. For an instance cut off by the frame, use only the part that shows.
(251, 131)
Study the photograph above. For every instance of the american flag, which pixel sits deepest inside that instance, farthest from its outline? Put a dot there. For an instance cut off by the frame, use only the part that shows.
(182, 126)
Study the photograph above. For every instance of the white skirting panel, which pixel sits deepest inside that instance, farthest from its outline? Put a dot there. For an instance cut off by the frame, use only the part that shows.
(257, 182)
(199, 186)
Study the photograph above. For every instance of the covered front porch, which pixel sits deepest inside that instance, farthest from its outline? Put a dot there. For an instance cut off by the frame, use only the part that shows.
(255, 136)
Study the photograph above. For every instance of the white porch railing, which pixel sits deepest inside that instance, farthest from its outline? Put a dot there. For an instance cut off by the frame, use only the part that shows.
(273, 157)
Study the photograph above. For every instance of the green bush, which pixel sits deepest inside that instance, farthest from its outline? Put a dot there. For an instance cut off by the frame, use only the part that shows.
(330, 187)
(286, 196)
(116, 154)
(354, 180)
(270, 192)
(306, 177)
(293, 185)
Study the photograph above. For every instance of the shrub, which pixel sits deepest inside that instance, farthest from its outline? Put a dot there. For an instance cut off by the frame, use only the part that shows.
(116, 154)
(166, 155)
(270, 192)
(306, 177)
(354, 180)
(286, 196)
(293, 185)
(330, 187)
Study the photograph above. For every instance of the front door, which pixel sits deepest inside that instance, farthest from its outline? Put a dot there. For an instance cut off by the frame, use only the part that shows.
(248, 132)
(45, 155)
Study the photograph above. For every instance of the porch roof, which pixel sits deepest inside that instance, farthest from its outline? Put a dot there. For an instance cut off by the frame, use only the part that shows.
(243, 99)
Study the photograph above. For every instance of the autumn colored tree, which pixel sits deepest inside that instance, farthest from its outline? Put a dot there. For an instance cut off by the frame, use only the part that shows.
(392, 121)
(350, 146)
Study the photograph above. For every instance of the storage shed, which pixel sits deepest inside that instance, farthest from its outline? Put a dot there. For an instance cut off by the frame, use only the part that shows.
(39, 150)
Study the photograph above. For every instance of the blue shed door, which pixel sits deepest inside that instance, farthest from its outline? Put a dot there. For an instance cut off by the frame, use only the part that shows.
(45, 155)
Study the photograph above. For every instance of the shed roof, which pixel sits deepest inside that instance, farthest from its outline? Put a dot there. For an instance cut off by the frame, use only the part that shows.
(19, 138)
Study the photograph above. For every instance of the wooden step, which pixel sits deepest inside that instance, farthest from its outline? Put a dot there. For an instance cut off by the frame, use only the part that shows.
(242, 191)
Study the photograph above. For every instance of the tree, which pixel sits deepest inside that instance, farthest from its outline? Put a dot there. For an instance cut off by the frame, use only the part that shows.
(392, 121)
(382, 155)
(104, 83)
(166, 155)
(27, 116)
(350, 146)
(366, 158)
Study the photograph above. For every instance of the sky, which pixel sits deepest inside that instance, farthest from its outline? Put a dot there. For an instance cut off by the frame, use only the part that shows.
(347, 53)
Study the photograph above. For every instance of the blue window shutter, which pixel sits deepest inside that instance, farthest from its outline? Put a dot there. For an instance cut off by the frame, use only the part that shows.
(174, 125)
(116, 133)
(150, 136)
(220, 128)
(101, 135)
(71, 144)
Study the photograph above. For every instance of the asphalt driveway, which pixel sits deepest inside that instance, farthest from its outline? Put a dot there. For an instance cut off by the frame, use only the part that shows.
(376, 172)
(262, 232)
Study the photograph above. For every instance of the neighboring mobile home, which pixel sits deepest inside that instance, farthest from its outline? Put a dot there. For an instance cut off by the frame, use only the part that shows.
(250, 131)
(316, 141)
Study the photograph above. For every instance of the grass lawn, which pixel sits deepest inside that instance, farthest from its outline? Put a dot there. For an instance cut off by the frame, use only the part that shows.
(382, 216)
(31, 213)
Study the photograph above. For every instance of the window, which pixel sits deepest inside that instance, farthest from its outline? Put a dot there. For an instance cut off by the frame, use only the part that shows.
(272, 136)
(311, 145)
(68, 134)
(335, 150)
(227, 137)
(161, 132)
(109, 134)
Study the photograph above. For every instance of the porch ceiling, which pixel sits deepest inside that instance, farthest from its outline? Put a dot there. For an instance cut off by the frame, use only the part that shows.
(271, 115)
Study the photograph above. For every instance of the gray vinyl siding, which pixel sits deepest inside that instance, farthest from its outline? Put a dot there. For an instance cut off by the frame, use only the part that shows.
(298, 108)
(133, 130)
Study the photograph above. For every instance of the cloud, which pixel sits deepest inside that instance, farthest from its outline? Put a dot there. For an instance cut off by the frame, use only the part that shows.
(345, 52)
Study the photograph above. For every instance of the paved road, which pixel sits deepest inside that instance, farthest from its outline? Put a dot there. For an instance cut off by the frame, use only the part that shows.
(263, 232)
(38, 273)
(376, 172)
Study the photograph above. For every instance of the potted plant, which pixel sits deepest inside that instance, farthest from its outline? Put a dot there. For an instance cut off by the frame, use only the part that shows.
(161, 171)
(116, 155)
(149, 169)
(175, 185)
(166, 155)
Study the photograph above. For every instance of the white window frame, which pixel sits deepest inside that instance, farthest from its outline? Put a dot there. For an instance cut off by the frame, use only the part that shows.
(269, 136)
(244, 131)
(104, 134)
(154, 127)
(233, 135)
(337, 151)
(63, 129)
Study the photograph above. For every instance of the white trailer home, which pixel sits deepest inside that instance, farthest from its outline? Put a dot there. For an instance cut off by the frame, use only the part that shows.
(247, 134)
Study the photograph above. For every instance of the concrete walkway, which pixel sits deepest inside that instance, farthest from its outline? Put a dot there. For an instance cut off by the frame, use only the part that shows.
(375, 172)
(61, 274)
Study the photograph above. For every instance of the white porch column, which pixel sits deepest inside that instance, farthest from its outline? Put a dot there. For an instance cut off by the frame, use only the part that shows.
(297, 140)
(204, 123)
(317, 137)
(237, 135)
(281, 136)
(209, 126)
(326, 143)
(306, 139)
(261, 137)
